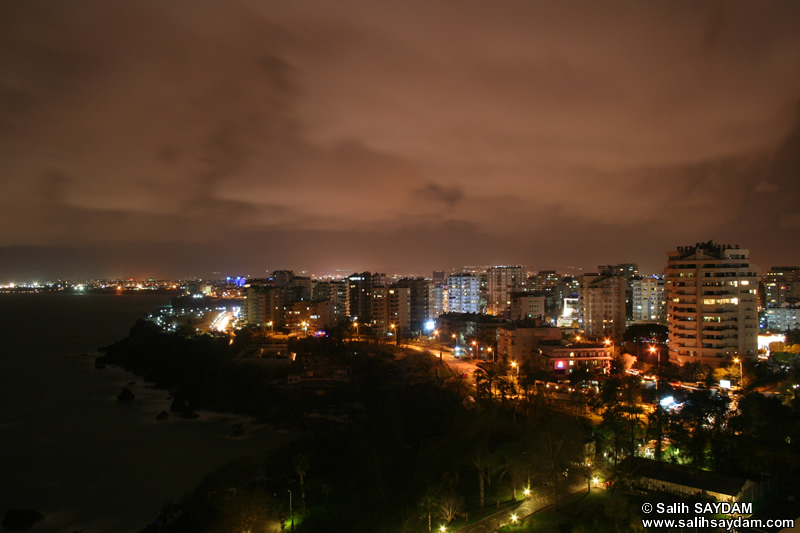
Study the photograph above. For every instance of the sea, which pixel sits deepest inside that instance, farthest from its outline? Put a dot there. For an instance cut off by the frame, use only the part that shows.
(68, 448)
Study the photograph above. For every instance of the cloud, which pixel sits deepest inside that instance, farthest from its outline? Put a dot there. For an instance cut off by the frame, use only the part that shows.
(526, 126)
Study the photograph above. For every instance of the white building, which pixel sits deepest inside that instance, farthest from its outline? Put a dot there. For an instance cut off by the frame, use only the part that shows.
(463, 293)
(649, 303)
(712, 309)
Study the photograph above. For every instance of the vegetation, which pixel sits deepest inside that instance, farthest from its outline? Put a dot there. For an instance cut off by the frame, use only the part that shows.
(414, 447)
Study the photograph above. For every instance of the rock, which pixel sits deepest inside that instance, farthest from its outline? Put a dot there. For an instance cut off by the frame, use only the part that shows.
(178, 406)
(126, 395)
(16, 519)
(163, 415)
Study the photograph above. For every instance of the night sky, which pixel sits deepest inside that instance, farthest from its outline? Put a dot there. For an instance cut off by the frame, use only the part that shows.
(184, 138)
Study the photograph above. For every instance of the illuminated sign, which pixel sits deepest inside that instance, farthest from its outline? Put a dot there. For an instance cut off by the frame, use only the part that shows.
(559, 364)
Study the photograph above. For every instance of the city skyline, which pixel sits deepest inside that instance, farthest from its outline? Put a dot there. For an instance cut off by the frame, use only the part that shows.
(142, 139)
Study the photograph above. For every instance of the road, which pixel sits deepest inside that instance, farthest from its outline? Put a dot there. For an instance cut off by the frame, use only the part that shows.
(456, 365)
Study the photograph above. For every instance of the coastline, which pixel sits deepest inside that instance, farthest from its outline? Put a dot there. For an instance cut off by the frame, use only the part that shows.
(77, 455)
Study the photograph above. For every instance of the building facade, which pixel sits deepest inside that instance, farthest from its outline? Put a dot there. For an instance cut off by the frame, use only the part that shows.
(501, 283)
(601, 300)
(781, 286)
(649, 301)
(526, 305)
(463, 293)
(712, 309)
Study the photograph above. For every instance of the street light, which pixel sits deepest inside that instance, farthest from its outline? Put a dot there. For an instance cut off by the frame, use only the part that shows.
(514, 518)
(305, 327)
(271, 330)
(526, 492)
(356, 325)
(489, 349)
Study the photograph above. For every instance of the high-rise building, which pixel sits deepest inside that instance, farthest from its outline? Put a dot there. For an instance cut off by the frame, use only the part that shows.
(601, 300)
(712, 309)
(781, 286)
(360, 287)
(438, 299)
(463, 293)
(263, 305)
(421, 300)
(391, 310)
(779, 319)
(502, 282)
(335, 292)
(649, 303)
(629, 271)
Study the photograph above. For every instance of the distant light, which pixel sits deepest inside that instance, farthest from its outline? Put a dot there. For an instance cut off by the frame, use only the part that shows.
(666, 402)
(430, 325)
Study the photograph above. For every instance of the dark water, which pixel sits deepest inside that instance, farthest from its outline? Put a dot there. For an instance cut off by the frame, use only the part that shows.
(67, 448)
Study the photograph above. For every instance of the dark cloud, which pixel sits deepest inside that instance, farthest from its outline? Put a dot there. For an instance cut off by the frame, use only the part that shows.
(417, 134)
(438, 193)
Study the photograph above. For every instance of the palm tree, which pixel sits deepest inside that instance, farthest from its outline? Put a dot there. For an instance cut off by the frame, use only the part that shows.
(301, 466)
(428, 505)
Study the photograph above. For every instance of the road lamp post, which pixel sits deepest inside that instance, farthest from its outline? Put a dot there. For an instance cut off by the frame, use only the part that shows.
(291, 514)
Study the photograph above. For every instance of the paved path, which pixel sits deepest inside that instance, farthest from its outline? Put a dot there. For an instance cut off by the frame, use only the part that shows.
(526, 507)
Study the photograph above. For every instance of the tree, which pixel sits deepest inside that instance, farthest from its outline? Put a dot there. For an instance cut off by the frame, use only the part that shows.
(451, 505)
(244, 512)
(480, 460)
(556, 444)
(428, 505)
(301, 466)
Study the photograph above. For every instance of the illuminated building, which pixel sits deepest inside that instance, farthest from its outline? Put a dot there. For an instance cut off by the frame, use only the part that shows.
(420, 298)
(463, 293)
(601, 301)
(711, 303)
(335, 292)
(525, 305)
(360, 287)
(781, 286)
(779, 319)
(515, 342)
(561, 358)
(501, 283)
(262, 304)
(391, 307)
(649, 303)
